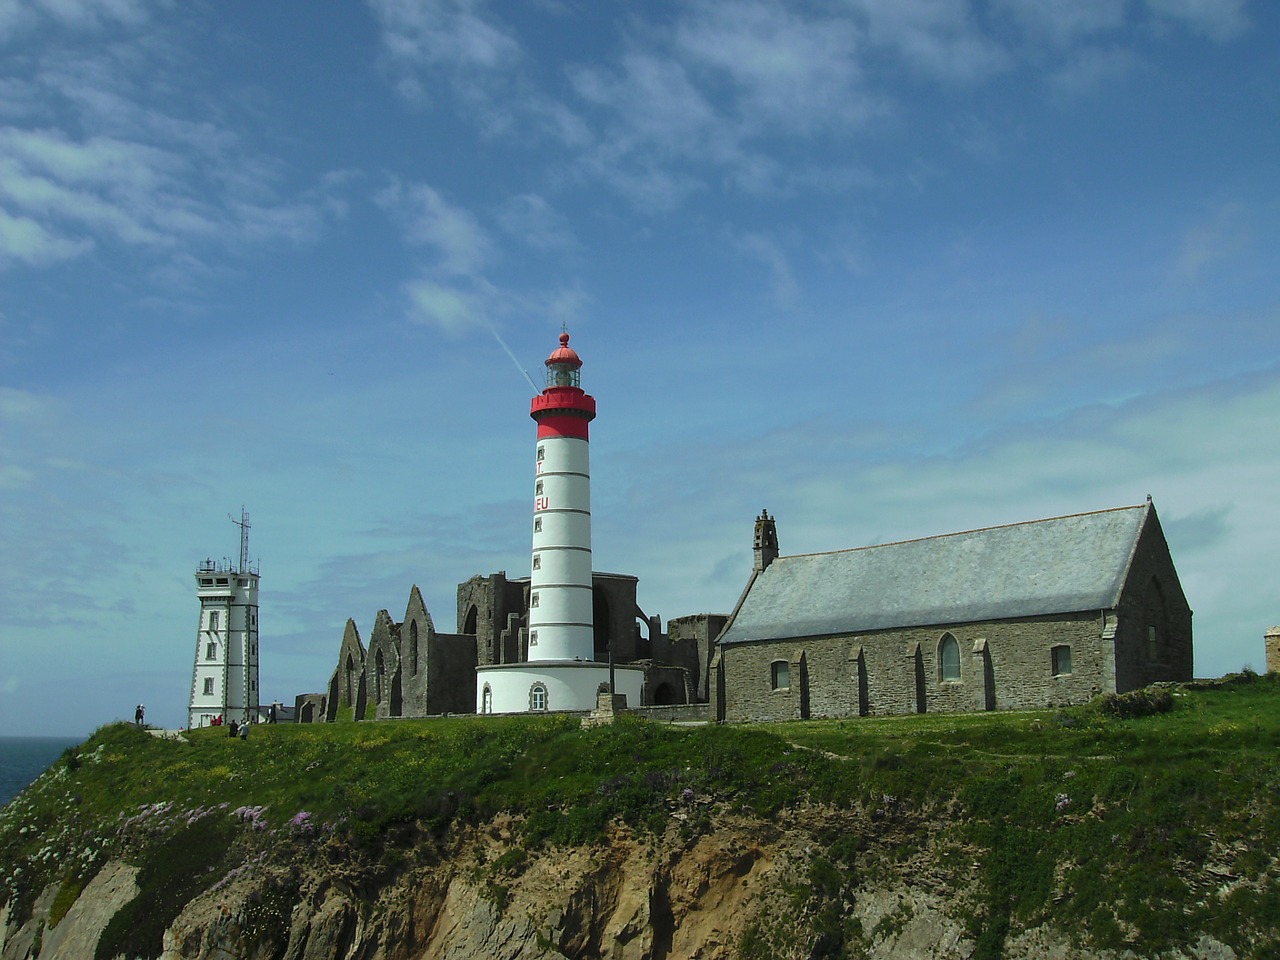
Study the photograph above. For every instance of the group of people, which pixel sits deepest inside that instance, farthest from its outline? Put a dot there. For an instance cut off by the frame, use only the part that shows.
(234, 729)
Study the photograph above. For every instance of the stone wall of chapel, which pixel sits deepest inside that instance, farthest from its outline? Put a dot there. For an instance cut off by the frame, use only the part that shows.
(903, 673)
(1153, 628)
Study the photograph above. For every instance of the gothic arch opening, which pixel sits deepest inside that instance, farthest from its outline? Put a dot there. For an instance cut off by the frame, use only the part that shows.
(948, 658)
(413, 646)
(469, 622)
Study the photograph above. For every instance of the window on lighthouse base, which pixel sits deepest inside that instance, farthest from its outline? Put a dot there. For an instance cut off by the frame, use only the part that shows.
(538, 697)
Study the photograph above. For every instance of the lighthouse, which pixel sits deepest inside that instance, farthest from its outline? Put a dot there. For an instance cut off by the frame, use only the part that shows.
(558, 672)
(560, 609)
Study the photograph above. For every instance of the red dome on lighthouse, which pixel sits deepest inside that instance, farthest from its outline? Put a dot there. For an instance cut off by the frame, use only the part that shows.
(564, 353)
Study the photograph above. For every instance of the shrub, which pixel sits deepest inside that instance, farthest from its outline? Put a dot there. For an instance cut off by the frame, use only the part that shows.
(1136, 703)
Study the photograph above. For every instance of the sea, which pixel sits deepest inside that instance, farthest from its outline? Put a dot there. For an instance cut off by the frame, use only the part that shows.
(22, 759)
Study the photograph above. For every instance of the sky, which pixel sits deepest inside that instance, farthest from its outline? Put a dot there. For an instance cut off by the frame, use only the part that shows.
(887, 268)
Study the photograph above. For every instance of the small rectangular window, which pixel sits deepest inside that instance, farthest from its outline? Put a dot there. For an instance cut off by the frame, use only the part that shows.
(541, 454)
(211, 651)
(206, 581)
(537, 488)
(223, 581)
(242, 583)
(213, 619)
(537, 563)
(533, 638)
(537, 525)
(208, 686)
(533, 600)
(780, 675)
(1061, 661)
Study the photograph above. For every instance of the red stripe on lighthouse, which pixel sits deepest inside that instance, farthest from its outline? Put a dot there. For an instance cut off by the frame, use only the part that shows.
(563, 426)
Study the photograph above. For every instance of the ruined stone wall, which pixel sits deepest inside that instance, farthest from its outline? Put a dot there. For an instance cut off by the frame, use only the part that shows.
(689, 643)
(452, 665)
(615, 609)
(484, 606)
(382, 669)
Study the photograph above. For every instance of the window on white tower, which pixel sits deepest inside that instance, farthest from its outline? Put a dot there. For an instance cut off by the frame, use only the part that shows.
(537, 525)
(208, 686)
(537, 563)
(213, 619)
(537, 488)
(533, 600)
(211, 651)
(538, 697)
(542, 454)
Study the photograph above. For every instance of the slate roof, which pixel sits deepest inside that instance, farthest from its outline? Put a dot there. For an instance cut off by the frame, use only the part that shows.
(1061, 565)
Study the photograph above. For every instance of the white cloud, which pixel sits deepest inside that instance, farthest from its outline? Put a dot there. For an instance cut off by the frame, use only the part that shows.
(936, 38)
(458, 36)
(1217, 239)
(1090, 69)
(772, 255)
(1220, 20)
(83, 15)
(533, 221)
(461, 245)
(448, 308)
(23, 240)
(1062, 24)
(787, 72)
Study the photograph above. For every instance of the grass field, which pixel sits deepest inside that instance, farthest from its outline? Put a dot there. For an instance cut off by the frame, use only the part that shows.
(1097, 818)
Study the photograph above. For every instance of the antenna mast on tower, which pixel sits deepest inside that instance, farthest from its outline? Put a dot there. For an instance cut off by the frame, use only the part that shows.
(243, 524)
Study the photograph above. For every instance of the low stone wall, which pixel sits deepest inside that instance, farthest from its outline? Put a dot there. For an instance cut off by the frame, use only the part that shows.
(676, 712)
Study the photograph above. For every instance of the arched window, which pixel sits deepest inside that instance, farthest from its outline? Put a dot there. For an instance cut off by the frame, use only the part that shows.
(413, 645)
(469, 622)
(780, 675)
(486, 700)
(948, 658)
(538, 697)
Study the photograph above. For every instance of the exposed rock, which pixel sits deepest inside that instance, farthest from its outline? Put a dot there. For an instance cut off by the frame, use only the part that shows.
(628, 898)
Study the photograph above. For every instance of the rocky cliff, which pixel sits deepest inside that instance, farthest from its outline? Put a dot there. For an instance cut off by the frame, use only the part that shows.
(746, 888)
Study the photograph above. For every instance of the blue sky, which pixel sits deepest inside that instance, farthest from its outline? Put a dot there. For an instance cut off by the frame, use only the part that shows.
(889, 268)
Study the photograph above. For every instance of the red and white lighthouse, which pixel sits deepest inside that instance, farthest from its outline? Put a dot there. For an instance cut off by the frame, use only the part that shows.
(558, 672)
(560, 607)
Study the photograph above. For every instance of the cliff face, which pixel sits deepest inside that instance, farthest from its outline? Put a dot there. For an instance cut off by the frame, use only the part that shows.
(747, 888)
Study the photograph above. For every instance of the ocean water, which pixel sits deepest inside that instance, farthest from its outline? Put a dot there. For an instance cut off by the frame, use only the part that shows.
(22, 759)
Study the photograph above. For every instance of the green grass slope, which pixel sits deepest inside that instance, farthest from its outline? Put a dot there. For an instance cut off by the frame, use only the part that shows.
(1140, 822)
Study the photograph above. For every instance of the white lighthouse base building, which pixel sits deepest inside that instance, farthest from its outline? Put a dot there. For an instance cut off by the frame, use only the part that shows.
(552, 685)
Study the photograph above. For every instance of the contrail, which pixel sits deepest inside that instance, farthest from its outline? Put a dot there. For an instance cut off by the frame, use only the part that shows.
(494, 331)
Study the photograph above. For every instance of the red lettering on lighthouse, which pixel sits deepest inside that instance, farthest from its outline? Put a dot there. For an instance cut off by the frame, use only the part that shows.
(541, 503)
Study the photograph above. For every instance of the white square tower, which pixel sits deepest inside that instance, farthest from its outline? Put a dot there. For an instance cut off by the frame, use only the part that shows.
(224, 678)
